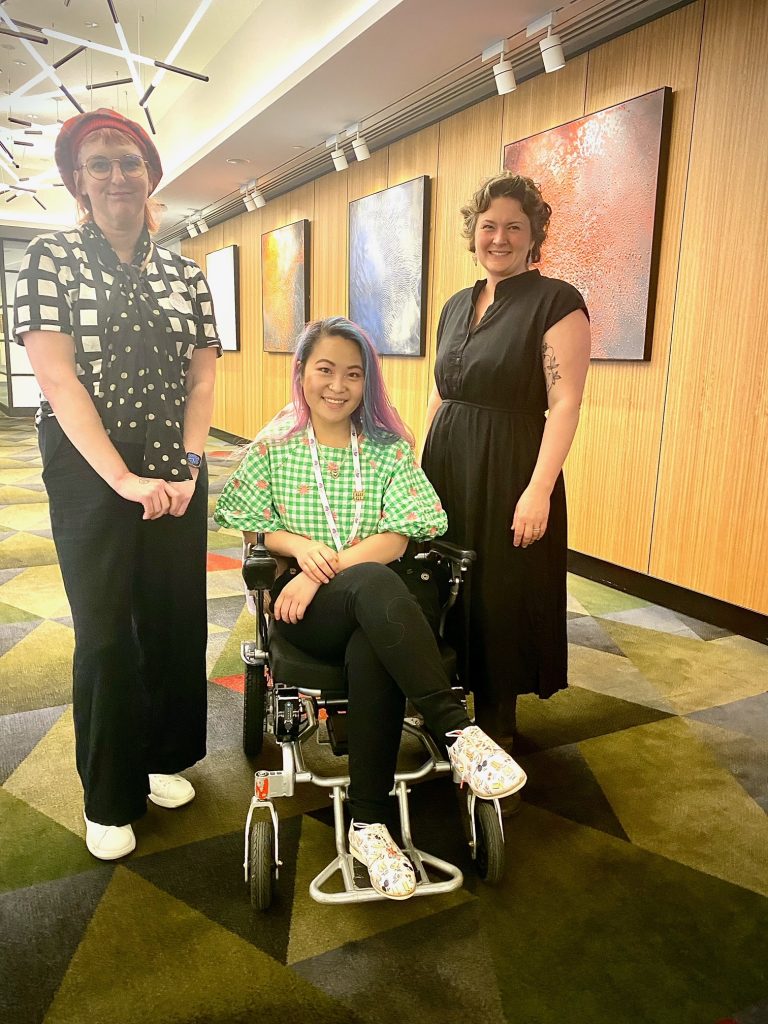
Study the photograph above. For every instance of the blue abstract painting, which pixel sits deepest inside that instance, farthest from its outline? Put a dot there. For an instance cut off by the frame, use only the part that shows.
(387, 266)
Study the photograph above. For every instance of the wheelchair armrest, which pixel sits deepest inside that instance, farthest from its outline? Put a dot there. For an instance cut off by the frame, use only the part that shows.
(448, 550)
(259, 567)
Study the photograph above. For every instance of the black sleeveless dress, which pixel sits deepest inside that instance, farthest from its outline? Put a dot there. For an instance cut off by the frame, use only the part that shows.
(480, 453)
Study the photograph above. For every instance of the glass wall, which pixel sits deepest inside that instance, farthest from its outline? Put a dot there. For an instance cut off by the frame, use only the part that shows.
(18, 388)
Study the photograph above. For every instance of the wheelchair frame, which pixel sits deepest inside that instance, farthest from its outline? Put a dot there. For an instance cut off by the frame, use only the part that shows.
(291, 714)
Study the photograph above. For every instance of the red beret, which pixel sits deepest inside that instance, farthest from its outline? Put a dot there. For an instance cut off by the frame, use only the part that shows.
(74, 132)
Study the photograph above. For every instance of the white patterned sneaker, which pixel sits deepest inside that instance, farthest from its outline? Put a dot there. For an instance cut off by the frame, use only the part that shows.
(109, 842)
(170, 790)
(390, 871)
(488, 770)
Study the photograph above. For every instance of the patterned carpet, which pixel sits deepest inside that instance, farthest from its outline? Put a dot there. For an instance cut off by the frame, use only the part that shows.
(636, 889)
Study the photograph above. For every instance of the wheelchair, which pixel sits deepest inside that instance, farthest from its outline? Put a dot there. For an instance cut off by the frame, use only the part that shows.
(288, 694)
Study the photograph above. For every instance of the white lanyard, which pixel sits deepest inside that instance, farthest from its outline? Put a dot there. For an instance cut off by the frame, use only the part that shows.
(357, 495)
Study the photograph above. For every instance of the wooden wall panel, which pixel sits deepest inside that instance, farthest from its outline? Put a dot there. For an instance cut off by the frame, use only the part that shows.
(409, 379)
(329, 247)
(711, 529)
(251, 324)
(611, 472)
(470, 150)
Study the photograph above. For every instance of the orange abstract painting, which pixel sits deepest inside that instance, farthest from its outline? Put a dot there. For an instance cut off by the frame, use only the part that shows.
(603, 177)
(284, 285)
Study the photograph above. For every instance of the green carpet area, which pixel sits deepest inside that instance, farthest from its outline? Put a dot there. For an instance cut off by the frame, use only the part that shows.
(636, 888)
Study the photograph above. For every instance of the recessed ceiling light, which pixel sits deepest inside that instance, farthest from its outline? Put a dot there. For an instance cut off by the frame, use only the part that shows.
(237, 160)
(91, 24)
(21, 63)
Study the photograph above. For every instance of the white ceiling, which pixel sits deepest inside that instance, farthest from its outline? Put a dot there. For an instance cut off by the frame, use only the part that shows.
(284, 75)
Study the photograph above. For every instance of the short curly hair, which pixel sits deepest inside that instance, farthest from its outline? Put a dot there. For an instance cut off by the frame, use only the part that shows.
(510, 186)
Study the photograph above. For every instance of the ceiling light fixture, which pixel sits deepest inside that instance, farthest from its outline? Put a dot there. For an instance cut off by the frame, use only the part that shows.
(191, 229)
(551, 45)
(503, 72)
(202, 225)
(337, 153)
(359, 145)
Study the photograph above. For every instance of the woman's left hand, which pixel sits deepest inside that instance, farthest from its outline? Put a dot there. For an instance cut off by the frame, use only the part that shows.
(295, 598)
(180, 495)
(529, 522)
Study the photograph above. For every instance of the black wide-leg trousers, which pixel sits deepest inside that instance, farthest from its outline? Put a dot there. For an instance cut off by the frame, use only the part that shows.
(137, 591)
(367, 619)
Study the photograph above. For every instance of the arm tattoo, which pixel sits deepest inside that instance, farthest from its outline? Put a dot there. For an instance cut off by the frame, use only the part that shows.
(551, 366)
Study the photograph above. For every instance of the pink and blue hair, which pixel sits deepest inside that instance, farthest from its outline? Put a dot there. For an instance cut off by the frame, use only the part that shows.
(375, 416)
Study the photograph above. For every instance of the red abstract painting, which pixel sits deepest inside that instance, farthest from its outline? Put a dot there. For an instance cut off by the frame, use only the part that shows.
(603, 177)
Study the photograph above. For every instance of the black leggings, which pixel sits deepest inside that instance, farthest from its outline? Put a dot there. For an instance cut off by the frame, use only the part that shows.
(367, 618)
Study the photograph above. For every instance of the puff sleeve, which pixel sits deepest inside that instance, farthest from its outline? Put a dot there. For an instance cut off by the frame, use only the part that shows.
(247, 501)
(410, 505)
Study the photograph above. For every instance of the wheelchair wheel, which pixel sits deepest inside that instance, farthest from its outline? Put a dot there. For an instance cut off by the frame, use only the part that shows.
(260, 862)
(489, 855)
(254, 701)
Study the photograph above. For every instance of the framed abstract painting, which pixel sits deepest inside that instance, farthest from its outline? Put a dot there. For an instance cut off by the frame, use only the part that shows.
(388, 240)
(284, 285)
(604, 175)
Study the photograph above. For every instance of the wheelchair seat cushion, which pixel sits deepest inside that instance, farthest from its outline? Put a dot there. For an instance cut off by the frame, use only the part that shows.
(291, 666)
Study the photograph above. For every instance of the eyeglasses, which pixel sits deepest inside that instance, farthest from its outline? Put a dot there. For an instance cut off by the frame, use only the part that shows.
(100, 167)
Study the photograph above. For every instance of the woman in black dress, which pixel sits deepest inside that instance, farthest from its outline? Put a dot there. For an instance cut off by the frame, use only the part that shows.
(513, 354)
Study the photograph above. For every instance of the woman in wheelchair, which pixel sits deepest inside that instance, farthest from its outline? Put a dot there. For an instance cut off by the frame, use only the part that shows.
(333, 484)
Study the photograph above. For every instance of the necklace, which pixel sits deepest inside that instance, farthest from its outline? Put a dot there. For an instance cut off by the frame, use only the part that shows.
(358, 494)
(334, 467)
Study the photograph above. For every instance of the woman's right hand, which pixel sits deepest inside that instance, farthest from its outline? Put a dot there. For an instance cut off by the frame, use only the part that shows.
(151, 494)
(317, 560)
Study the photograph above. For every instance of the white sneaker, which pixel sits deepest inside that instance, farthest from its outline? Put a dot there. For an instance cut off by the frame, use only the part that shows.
(170, 790)
(109, 842)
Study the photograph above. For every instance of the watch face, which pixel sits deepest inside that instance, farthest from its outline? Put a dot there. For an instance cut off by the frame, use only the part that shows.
(194, 460)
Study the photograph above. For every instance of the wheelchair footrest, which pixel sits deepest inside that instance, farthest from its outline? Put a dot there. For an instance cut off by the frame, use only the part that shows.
(354, 893)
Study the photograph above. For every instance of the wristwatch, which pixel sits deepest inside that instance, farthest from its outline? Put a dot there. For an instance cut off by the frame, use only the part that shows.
(194, 460)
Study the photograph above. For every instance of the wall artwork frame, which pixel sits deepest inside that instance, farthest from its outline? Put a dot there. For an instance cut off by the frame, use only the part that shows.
(222, 271)
(604, 176)
(285, 285)
(388, 250)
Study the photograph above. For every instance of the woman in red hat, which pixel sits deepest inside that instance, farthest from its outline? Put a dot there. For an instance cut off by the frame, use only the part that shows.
(122, 338)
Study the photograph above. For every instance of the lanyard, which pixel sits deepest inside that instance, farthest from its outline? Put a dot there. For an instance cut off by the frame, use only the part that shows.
(357, 495)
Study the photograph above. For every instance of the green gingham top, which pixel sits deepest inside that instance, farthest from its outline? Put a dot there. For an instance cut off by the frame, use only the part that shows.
(274, 488)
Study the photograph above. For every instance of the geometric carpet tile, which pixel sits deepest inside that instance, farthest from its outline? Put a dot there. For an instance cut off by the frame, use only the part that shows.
(47, 779)
(34, 959)
(560, 781)
(588, 929)
(745, 759)
(22, 549)
(748, 717)
(20, 733)
(10, 495)
(433, 968)
(25, 516)
(40, 590)
(221, 538)
(597, 599)
(584, 631)
(36, 672)
(12, 632)
(673, 796)
(614, 676)
(178, 966)
(575, 714)
(208, 876)
(10, 614)
(35, 848)
(693, 674)
(664, 620)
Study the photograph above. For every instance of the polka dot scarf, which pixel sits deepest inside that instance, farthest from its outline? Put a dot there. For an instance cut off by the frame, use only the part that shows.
(141, 395)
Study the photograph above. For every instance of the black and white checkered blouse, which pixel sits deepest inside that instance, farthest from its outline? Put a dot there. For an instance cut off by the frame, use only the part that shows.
(60, 289)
